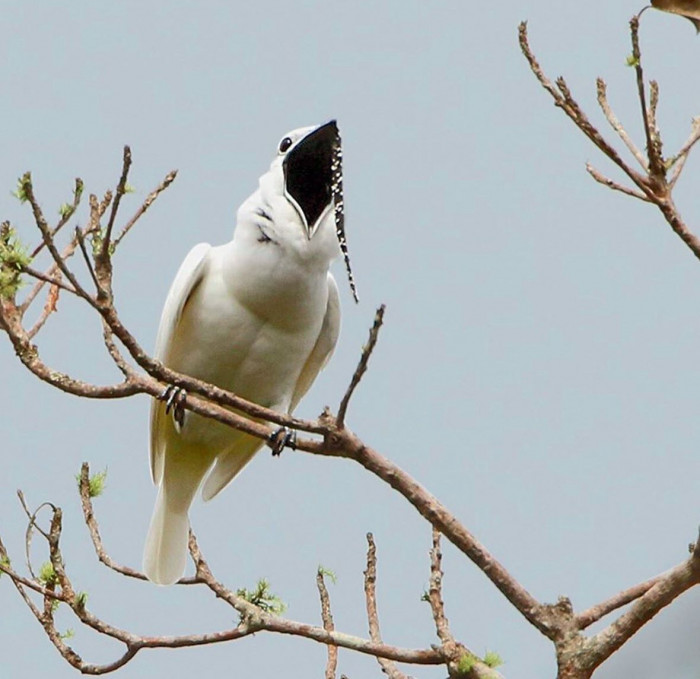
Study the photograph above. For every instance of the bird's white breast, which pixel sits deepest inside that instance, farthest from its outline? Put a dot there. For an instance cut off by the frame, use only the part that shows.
(249, 327)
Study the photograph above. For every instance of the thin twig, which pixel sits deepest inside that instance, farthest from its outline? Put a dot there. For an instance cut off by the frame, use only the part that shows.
(678, 161)
(29, 356)
(656, 166)
(437, 605)
(654, 186)
(601, 646)
(31, 527)
(114, 353)
(104, 203)
(594, 613)
(121, 186)
(88, 263)
(564, 100)
(169, 179)
(48, 240)
(346, 444)
(601, 90)
(606, 181)
(50, 306)
(327, 618)
(67, 253)
(93, 528)
(52, 280)
(65, 216)
(256, 620)
(91, 523)
(388, 666)
(362, 365)
(6, 568)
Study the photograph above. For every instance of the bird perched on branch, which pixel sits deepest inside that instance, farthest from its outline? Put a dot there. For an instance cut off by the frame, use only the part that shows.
(258, 316)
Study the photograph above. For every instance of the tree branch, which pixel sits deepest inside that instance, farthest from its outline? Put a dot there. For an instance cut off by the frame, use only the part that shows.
(626, 596)
(602, 91)
(388, 666)
(327, 617)
(150, 199)
(362, 365)
(654, 186)
(666, 588)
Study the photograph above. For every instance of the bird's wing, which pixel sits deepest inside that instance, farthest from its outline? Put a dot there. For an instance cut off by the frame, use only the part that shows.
(189, 275)
(229, 464)
(325, 344)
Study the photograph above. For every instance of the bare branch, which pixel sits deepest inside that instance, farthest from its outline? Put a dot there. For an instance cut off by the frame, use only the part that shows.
(564, 100)
(121, 189)
(605, 181)
(654, 186)
(256, 620)
(678, 161)
(362, 365)
(26, 582)
(327, 617)
(48, 238)
(626, 596)
(114, 352)
(93, 528)
(656, 164)
(29, 355)
(343, 443)
(66, 214)
(602, 645)
(50, 306)
(52, 280)
(88, 263)
(31, 527)
(435, 592)
(674, 219)
(253, 619)
(388, 666)
(601, 89)
(91, 522)
(169, 179)
(50, 273)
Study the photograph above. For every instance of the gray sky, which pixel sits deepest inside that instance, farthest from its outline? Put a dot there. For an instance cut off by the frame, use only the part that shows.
(537, 370)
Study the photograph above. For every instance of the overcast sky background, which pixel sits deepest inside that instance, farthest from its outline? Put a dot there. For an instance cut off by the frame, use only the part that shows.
(538, 367)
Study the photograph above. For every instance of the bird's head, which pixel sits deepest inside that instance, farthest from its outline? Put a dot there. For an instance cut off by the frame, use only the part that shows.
(296, 192)
(306, 157)
(299, 201)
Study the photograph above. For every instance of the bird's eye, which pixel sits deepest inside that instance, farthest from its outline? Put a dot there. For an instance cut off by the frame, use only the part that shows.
(285, 144)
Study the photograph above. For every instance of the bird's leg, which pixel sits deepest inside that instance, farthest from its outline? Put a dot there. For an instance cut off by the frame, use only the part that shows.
(174, 398)
(280, 438)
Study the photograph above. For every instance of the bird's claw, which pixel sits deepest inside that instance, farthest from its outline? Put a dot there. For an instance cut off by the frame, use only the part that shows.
(281, 438)
(174, 399)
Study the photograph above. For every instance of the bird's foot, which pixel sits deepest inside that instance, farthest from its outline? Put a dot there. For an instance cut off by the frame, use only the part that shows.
(174, 399)
(281, 438)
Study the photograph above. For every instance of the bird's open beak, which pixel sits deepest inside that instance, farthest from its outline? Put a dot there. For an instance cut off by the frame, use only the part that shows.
(308, 174)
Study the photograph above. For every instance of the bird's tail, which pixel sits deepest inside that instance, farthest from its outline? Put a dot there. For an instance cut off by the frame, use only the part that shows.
(165, 554)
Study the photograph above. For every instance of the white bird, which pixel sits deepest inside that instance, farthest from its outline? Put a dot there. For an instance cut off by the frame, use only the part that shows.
(258, 316)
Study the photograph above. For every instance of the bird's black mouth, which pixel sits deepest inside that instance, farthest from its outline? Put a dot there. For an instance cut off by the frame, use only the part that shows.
(308, 173)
